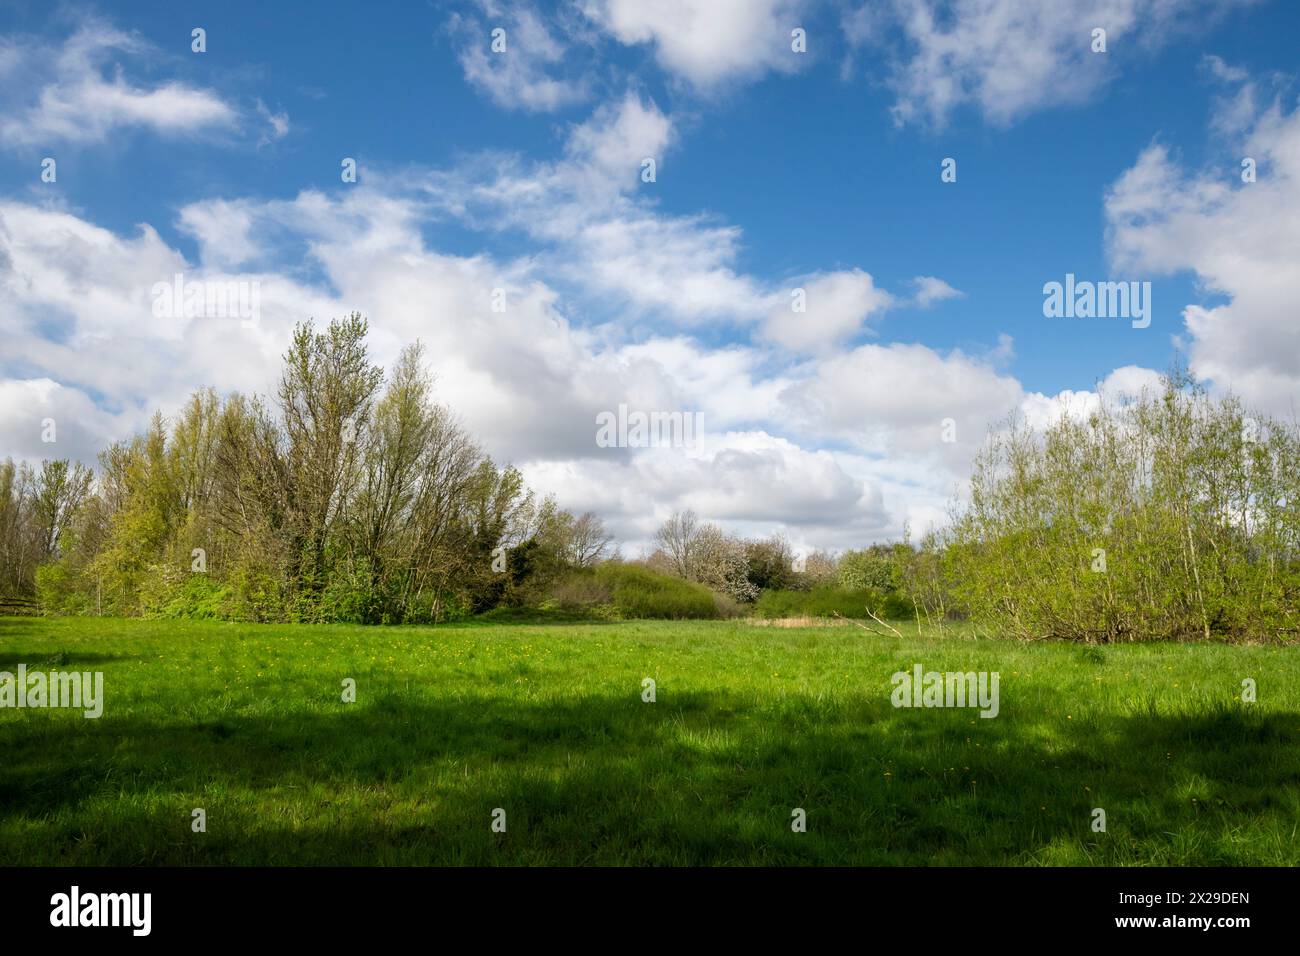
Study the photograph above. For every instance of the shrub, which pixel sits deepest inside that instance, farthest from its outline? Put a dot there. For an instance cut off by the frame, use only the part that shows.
(638, 592)
(878, 568)
(58, 593)
(579, 589)
(198, 597)
(829, 601)
(769, 563)
(1168, 516)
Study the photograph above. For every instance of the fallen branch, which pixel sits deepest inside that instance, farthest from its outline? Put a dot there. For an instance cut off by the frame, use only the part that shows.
(870, 630)
(883, 624)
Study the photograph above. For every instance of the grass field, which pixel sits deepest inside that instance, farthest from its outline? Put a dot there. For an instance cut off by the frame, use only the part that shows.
(548, 723)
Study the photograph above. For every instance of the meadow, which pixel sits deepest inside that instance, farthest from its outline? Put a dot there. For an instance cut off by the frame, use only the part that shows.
(548, 723)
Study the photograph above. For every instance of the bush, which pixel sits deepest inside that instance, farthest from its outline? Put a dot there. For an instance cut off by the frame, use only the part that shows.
(579, 589)
(877, 568)
(1166, 517)
(828, 601)
(638, 592)
(199, 597)
(769, 564)
(57, 591)
(255, 593)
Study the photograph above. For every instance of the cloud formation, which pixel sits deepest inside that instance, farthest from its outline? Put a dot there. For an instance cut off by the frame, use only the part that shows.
(1238, 238)
(78, 92)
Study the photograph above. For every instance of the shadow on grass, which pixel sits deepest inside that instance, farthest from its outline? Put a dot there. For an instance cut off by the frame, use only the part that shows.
(44, 660)
(15, 629)
(704, 779)
(10, 626)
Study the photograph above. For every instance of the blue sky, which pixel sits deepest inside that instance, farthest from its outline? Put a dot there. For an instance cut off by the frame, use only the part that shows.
(776, 170)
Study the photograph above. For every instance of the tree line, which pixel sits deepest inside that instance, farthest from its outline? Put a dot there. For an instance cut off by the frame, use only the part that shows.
(351, 495)
(348, 495)
(1173, 514)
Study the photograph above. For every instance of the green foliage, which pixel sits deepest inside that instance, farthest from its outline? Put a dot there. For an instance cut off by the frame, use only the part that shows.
(878, 568)
(255, 591)
(198, 597)
(769, 564)
(353, 498)
(1165, 518)
(825, 602)
(58, 591)
(638, 592)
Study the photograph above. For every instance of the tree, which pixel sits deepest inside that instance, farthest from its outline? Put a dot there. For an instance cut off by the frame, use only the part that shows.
(350, 496)
(877, 568)
(588, 541)
(770, 563)
(19, 540)
(718, 561)
(677, 538)
(60, 489)
(325, 398)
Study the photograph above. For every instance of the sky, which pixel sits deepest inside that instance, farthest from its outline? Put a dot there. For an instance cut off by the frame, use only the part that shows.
(838, 260)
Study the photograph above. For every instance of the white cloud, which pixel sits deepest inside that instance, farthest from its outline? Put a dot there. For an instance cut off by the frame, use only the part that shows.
(707, 42)
(75, 306)
(1009, 58)
(78, 427)
(930, 290)
(751, 482)
(1239, 239)
(224, 232)
(731, 386)
(69, 94)
(836, 306)
(278, 124)
(520, 76)
(607, 152)
(892, 399)
(598, 226)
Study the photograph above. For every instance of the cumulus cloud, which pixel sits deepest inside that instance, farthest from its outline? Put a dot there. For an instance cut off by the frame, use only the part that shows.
(43, 419)
(707, 43)
(607, 152)
(77, 306)
(826, 310)
(1238, 238)
(75, 302)
(891, 399)
(751, 482)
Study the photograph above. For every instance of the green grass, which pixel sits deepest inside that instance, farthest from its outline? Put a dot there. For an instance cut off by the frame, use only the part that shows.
(547, 722)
